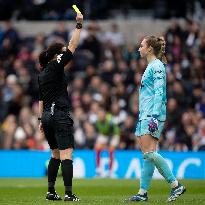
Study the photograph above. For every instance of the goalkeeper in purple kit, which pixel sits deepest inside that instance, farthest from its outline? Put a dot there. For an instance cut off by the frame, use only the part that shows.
(152, 115)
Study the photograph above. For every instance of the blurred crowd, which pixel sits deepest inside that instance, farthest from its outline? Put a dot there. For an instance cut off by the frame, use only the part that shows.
(99, 9)
(103, 82)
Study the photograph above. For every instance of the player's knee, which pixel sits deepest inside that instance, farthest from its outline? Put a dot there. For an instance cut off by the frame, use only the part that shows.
(66, 154)
(149, 156)
(148, 143)
(55, 153)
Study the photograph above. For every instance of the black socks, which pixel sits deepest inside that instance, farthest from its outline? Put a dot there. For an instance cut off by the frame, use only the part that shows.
(53, 167)
(67, 173)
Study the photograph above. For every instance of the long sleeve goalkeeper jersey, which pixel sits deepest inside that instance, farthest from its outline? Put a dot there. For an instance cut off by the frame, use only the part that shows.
(152, 92)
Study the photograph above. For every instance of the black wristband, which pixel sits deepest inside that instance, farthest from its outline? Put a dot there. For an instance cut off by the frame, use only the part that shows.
(79, 25)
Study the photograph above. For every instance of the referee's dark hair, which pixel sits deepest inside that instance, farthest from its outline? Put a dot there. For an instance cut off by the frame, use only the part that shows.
(47, 55)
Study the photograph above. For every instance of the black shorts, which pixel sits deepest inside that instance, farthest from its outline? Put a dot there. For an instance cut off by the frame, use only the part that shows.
(58, 129)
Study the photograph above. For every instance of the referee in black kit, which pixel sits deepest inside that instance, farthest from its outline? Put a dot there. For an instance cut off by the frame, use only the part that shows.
(55, 120)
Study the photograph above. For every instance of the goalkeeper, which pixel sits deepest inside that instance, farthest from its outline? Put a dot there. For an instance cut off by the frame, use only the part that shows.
(152, 115)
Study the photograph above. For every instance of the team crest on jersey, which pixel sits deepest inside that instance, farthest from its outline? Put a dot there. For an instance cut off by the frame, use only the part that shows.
(157, 71)
(59, 58)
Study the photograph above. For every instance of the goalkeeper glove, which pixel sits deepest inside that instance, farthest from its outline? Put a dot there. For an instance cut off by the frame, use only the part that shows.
(153, 124)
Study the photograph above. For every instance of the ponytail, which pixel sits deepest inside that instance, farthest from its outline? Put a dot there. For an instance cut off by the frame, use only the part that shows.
(161, 54)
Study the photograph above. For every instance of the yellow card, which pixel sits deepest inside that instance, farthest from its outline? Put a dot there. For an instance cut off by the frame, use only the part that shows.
(76, 9)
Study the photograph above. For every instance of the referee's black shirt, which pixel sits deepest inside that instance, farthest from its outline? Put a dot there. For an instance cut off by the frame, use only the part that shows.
(52, 82)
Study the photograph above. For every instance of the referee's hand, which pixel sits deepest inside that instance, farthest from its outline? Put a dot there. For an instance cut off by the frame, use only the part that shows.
(79, 18)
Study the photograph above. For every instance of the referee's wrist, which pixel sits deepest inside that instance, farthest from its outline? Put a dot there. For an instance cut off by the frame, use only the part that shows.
(79, 25)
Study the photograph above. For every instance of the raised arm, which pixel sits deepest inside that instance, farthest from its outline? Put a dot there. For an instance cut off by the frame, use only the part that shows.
(76, 34)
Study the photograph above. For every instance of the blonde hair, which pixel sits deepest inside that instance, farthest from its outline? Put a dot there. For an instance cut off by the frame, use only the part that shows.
(158, 44)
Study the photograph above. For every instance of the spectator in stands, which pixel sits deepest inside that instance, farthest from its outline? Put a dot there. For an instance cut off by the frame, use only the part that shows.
(92, 44)
(90, 135)
(108, 138)
(114, 37)
(199, 137)
(115, 78)
(127, 137)
(61, 32)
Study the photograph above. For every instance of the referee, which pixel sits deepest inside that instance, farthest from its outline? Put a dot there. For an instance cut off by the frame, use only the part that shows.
(55, 120)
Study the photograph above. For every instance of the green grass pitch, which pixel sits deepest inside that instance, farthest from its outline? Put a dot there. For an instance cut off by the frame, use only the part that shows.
(96, 191)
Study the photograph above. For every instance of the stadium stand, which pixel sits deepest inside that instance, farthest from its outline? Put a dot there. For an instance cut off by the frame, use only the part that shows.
(106, 72)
